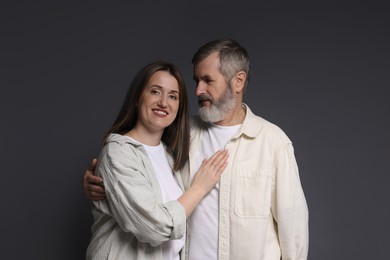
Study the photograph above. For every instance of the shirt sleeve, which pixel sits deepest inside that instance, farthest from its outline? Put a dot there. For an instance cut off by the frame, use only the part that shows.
(290, 208)
(132, 196)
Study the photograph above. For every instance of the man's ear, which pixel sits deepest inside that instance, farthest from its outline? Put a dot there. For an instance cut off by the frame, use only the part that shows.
(239, 81)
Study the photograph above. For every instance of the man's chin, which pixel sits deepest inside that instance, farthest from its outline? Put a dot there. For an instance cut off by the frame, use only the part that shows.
(207, 116)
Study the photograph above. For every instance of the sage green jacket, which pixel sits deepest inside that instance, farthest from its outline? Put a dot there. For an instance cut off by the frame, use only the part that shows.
(133, 221)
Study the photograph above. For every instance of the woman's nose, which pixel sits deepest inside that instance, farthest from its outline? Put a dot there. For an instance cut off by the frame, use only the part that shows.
(163, 101)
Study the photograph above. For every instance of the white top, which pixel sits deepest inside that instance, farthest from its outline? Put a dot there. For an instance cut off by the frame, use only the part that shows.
(170, 191)
(204, 219)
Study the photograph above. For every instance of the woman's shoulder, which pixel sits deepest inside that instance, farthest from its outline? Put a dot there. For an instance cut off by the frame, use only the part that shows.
(120, 146)
(119, 139)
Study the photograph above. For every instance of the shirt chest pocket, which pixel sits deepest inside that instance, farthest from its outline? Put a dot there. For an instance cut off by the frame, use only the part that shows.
(252, 196)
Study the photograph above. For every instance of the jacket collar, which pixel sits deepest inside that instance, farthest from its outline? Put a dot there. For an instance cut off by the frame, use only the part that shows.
(250, 126)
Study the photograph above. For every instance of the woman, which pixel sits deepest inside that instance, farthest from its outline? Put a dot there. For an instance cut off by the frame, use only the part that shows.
(144, 216)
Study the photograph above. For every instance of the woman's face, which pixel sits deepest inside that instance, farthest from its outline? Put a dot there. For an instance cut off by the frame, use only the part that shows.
(159, 102)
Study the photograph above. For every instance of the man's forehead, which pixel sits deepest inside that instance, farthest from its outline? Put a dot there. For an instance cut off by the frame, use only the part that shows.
(206, 68)
(211, 60)
(204, 74)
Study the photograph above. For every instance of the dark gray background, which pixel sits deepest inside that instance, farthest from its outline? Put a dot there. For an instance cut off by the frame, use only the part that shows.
(319, 70)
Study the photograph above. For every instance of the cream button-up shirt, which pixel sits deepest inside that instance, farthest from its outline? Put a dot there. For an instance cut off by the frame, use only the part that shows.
(262, 208)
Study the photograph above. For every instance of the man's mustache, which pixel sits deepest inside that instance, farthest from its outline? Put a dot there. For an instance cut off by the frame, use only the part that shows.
(205, 97)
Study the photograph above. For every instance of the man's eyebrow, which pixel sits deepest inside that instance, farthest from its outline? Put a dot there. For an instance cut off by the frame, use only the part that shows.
(203, 77)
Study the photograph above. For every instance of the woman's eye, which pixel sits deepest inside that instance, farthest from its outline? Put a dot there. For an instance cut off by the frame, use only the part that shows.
(173, 97)
(153, 91)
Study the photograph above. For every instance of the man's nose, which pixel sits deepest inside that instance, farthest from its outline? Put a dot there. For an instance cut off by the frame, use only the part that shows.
(200, 89)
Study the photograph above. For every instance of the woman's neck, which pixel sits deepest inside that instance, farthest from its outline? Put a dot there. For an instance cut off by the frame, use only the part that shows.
(145, 137)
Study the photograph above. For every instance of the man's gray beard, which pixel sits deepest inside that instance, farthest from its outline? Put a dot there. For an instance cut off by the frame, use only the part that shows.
(218, 109)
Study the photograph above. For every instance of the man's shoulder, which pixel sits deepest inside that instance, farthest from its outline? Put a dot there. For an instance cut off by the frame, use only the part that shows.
(262, 122)
(261, 126)
(255, 121)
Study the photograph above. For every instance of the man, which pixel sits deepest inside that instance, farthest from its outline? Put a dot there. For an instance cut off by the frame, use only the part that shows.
(258, 209)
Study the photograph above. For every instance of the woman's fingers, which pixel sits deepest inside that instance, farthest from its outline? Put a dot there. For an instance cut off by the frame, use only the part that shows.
(217, 162)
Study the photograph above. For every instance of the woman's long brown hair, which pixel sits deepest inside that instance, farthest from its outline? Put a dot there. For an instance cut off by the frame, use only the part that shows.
(175, 136)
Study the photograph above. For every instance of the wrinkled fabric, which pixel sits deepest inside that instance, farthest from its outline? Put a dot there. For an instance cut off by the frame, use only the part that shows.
(132, 222)
(263, 212)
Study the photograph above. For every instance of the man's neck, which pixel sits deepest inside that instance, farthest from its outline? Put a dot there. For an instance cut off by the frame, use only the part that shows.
(233, 117)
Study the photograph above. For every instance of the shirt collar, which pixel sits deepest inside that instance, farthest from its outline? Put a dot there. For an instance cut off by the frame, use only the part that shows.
(250, 126)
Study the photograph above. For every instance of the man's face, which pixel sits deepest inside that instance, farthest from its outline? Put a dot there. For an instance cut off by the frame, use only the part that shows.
(215, 95)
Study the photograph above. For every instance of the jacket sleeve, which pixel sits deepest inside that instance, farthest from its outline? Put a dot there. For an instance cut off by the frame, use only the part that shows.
(290, 209)
(132, 196)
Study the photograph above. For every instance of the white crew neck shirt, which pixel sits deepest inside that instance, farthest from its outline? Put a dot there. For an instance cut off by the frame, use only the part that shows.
(170, 191)
(204, 219)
